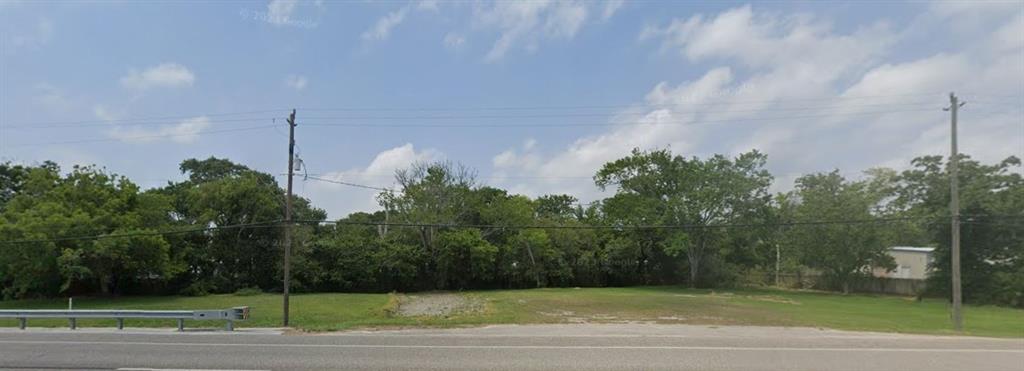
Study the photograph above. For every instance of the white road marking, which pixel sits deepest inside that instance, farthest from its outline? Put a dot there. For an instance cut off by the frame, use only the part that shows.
(175, 369)
(914, 337)
(531, 347)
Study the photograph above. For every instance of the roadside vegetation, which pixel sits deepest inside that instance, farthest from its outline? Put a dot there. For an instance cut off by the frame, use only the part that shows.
(663, 304)
(668, 220)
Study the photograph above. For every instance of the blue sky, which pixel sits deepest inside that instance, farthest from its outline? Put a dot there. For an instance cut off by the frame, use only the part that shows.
(556, 88)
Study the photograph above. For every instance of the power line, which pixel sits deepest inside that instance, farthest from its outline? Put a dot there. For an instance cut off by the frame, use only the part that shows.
(552, 107)
(597, 114)
(349, 184)
(277, 223)
(551, 125)
(177, 119)
(140, 234)
(138, 119)
(621, 227)
(132, 123)
(155, 136)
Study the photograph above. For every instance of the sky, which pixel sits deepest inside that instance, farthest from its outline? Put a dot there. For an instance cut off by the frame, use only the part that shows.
(533, 95)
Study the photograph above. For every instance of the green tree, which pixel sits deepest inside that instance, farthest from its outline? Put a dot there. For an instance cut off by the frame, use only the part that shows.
(432, 194)
(672, 190)
(85, 202)
(843, 251)
(219, 192)
(465, 258)
(992, 241)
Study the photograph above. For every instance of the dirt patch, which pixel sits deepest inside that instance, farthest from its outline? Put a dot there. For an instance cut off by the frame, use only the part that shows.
(437, 305)
(773, 299)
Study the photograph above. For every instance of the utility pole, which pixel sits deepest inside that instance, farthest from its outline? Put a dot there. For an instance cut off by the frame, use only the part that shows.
(954, 205)
(288, 215)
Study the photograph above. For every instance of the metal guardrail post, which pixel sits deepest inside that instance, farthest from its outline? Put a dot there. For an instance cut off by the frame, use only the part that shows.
(231, 325)
(72, 323)
(22, 322)
(181, 324)
(120, 323)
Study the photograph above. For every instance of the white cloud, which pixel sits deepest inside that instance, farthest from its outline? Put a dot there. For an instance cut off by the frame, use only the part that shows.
(279, 12)
(1010, 37)
(610, 8)
(381, 30)
(162, 75)
(297, 82)
(430, 5)
(340, 200)
(51, 96)
(186, 131)
(454, 41)
(809, 96)
(103, 113)
(528, 23)
(32, 37)
(767, 40)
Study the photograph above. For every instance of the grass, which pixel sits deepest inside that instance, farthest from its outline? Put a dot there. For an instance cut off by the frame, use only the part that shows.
(765, 307)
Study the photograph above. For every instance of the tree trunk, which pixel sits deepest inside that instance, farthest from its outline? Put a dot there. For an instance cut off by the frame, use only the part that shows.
(105, 284)
(694, 255)
(533, 263)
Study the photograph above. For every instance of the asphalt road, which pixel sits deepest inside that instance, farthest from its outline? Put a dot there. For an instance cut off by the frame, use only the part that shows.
(546, 347)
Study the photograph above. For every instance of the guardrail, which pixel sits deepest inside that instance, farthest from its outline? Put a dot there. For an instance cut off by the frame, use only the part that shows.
(229, 315)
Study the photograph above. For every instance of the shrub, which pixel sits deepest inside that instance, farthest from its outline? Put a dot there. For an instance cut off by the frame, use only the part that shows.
(248, 291)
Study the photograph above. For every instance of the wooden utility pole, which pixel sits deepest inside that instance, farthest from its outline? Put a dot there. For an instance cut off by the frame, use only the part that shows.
(288, 215)
(954, 205)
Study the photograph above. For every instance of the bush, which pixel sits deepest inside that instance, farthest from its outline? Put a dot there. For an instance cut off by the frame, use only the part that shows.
(199, 288)
(390, 309)
(248, 291)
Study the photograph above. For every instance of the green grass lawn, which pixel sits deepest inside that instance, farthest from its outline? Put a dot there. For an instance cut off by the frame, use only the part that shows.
(318, 312)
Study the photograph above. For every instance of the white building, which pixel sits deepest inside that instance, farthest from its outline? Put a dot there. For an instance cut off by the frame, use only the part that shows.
(911, 263)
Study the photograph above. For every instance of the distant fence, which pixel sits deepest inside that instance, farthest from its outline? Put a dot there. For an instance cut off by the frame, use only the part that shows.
(894, 286)
(877, 285)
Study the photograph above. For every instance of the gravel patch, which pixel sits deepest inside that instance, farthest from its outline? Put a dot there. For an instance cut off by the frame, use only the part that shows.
(437, 305)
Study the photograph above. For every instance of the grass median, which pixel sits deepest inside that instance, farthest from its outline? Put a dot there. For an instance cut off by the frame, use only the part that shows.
(760, 307)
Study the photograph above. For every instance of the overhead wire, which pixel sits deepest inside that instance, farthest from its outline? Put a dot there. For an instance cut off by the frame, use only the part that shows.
(602, 114)
(138, 119)
(560, 124)
(349, 184)
(552, 107)
(273, 223)
(615, 227)
(281, 223)
(154, 136)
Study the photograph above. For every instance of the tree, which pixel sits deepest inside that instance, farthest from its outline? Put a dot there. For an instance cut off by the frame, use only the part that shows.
(86, 202)
(991, 199)
(842, 251)
(694, 193)
(219, 192)
(432, 194)
(13, 178)
(343, 257)
(558, 207)
(465, 258)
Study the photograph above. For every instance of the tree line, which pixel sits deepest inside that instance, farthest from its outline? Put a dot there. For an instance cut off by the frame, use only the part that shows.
(670, 219)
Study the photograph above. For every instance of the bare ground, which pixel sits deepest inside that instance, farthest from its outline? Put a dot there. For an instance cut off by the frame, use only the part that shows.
(437, 305)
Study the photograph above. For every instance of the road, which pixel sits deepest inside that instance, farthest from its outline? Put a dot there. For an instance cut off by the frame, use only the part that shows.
(535, 347)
